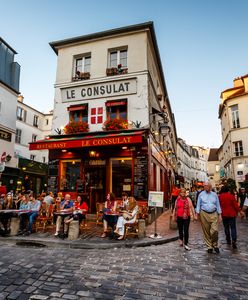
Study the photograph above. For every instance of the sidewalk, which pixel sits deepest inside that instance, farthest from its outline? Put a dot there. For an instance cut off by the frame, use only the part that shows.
(94, 241)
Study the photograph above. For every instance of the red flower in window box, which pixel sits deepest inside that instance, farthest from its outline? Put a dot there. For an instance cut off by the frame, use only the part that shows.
(76, 127)
(115, 124)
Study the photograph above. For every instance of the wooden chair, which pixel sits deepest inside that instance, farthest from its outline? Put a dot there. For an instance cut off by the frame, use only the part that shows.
(45, 216)
(99, 212)
(132, 228)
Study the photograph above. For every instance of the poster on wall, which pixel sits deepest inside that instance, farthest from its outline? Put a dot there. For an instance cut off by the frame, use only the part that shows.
(156, 199)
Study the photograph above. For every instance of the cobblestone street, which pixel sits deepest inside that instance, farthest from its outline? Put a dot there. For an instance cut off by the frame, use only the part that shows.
(156, 272)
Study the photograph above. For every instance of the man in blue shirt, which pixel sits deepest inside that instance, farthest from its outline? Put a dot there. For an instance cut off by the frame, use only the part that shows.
(66, 207)
(208, 208)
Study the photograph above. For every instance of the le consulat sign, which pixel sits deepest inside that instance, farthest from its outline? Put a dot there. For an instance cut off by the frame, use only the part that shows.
(100, 90)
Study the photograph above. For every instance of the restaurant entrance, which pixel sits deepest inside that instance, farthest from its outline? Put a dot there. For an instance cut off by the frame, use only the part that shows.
(95, 181)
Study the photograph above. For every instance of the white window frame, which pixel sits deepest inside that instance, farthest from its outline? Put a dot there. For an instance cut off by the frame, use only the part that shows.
(34, 138)
(32, 157)
(235, 116)
(118, 51)
(83, 65)
(18, 136)
(21, 114)
(36, 121)
(238, 148)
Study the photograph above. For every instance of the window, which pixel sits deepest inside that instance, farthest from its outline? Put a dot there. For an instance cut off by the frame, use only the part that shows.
(35, 121)
(34, 138)
(117, 110)
(32, 157)
(121, 174)
(238, 148)
(235, 116)
(117, 57)
(70, 171)
(18, 136)
(96, 115)
(47, 121)
(82, 64)
(78, 113)
(21, 114)
(43, 159)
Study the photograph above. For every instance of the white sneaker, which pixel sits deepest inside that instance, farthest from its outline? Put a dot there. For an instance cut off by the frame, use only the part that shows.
(56, 234)
(187, 248)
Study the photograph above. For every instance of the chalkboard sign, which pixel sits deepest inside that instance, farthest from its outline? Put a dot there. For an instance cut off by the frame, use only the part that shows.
(53, 173)
(140, 177)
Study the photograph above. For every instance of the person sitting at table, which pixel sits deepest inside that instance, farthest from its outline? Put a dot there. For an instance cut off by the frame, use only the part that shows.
(6, 217)
(66, 206)
(34, 208)
(80, 209)
(23, 215)
(110, 207)
(125, 201)
(127, 217)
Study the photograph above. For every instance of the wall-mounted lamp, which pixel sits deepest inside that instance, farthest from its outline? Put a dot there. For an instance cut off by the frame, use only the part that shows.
(164, 128)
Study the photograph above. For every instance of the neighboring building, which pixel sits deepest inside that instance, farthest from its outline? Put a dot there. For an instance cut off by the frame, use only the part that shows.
(202, 175)
(192, 164)
(233, 154)
(9, 90)
(213, 167)
(31, 126)
(111, 75)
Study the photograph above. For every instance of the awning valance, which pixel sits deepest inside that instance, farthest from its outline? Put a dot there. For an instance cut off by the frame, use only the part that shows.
(97, 140)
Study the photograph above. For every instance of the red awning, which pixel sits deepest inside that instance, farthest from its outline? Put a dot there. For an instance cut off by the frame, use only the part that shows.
(116, 103)
(111, 139)
(76, 107)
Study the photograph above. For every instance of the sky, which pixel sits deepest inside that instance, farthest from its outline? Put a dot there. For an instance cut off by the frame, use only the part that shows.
(203, 46)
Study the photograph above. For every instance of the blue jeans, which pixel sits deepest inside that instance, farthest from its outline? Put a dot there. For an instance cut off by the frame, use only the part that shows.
(230, 225)
(31, 217)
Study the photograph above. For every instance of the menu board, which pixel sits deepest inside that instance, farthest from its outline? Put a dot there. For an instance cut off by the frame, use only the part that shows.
(140, 177)
(53, 173)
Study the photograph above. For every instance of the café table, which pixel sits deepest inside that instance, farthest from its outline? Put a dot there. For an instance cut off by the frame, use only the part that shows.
(63, 214)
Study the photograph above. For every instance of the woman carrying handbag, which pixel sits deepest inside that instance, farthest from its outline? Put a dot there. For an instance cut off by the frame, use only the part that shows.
(183, 212)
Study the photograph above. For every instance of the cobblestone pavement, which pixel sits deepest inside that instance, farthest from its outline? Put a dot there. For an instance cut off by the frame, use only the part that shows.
(156, 272)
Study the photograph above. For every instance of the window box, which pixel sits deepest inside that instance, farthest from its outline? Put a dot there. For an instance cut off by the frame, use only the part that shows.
(116, 71)
(76, 127)
(115, 124)
(81, 76)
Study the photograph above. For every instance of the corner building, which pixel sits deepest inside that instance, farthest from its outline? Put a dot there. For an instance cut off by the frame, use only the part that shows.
(104, 77)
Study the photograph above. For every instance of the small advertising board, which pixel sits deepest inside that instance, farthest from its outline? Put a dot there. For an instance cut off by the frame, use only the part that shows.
(156, 199)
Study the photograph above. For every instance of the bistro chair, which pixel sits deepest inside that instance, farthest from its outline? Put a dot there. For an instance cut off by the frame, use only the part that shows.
(99, 212)
(45, 216)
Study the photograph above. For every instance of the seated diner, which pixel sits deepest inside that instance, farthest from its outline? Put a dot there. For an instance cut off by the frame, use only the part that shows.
(110, 215)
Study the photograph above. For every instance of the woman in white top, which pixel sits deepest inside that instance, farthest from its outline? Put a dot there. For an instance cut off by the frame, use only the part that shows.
(127, 217)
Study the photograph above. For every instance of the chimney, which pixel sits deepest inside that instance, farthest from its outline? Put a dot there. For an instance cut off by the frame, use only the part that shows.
(20, 98)
(238, 82)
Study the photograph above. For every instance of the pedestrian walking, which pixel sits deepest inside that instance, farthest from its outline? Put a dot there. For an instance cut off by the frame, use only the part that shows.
(209, 210)
(230, 209)
(182, 213)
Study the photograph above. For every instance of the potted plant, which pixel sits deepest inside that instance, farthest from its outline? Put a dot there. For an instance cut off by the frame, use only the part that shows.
(115, 124)
(76, 127)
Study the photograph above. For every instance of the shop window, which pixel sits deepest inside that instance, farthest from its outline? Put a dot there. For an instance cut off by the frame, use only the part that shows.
(96, 115)
(121, 174)
(18, 136)
(32, 157)
(117, 110)
(78, 113)
(70, 173)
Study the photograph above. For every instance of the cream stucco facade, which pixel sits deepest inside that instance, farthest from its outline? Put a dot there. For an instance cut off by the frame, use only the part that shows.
(234, 125)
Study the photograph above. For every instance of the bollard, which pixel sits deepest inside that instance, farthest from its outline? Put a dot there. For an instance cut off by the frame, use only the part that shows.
(141, 228)
(14, 226)
(73, 230)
